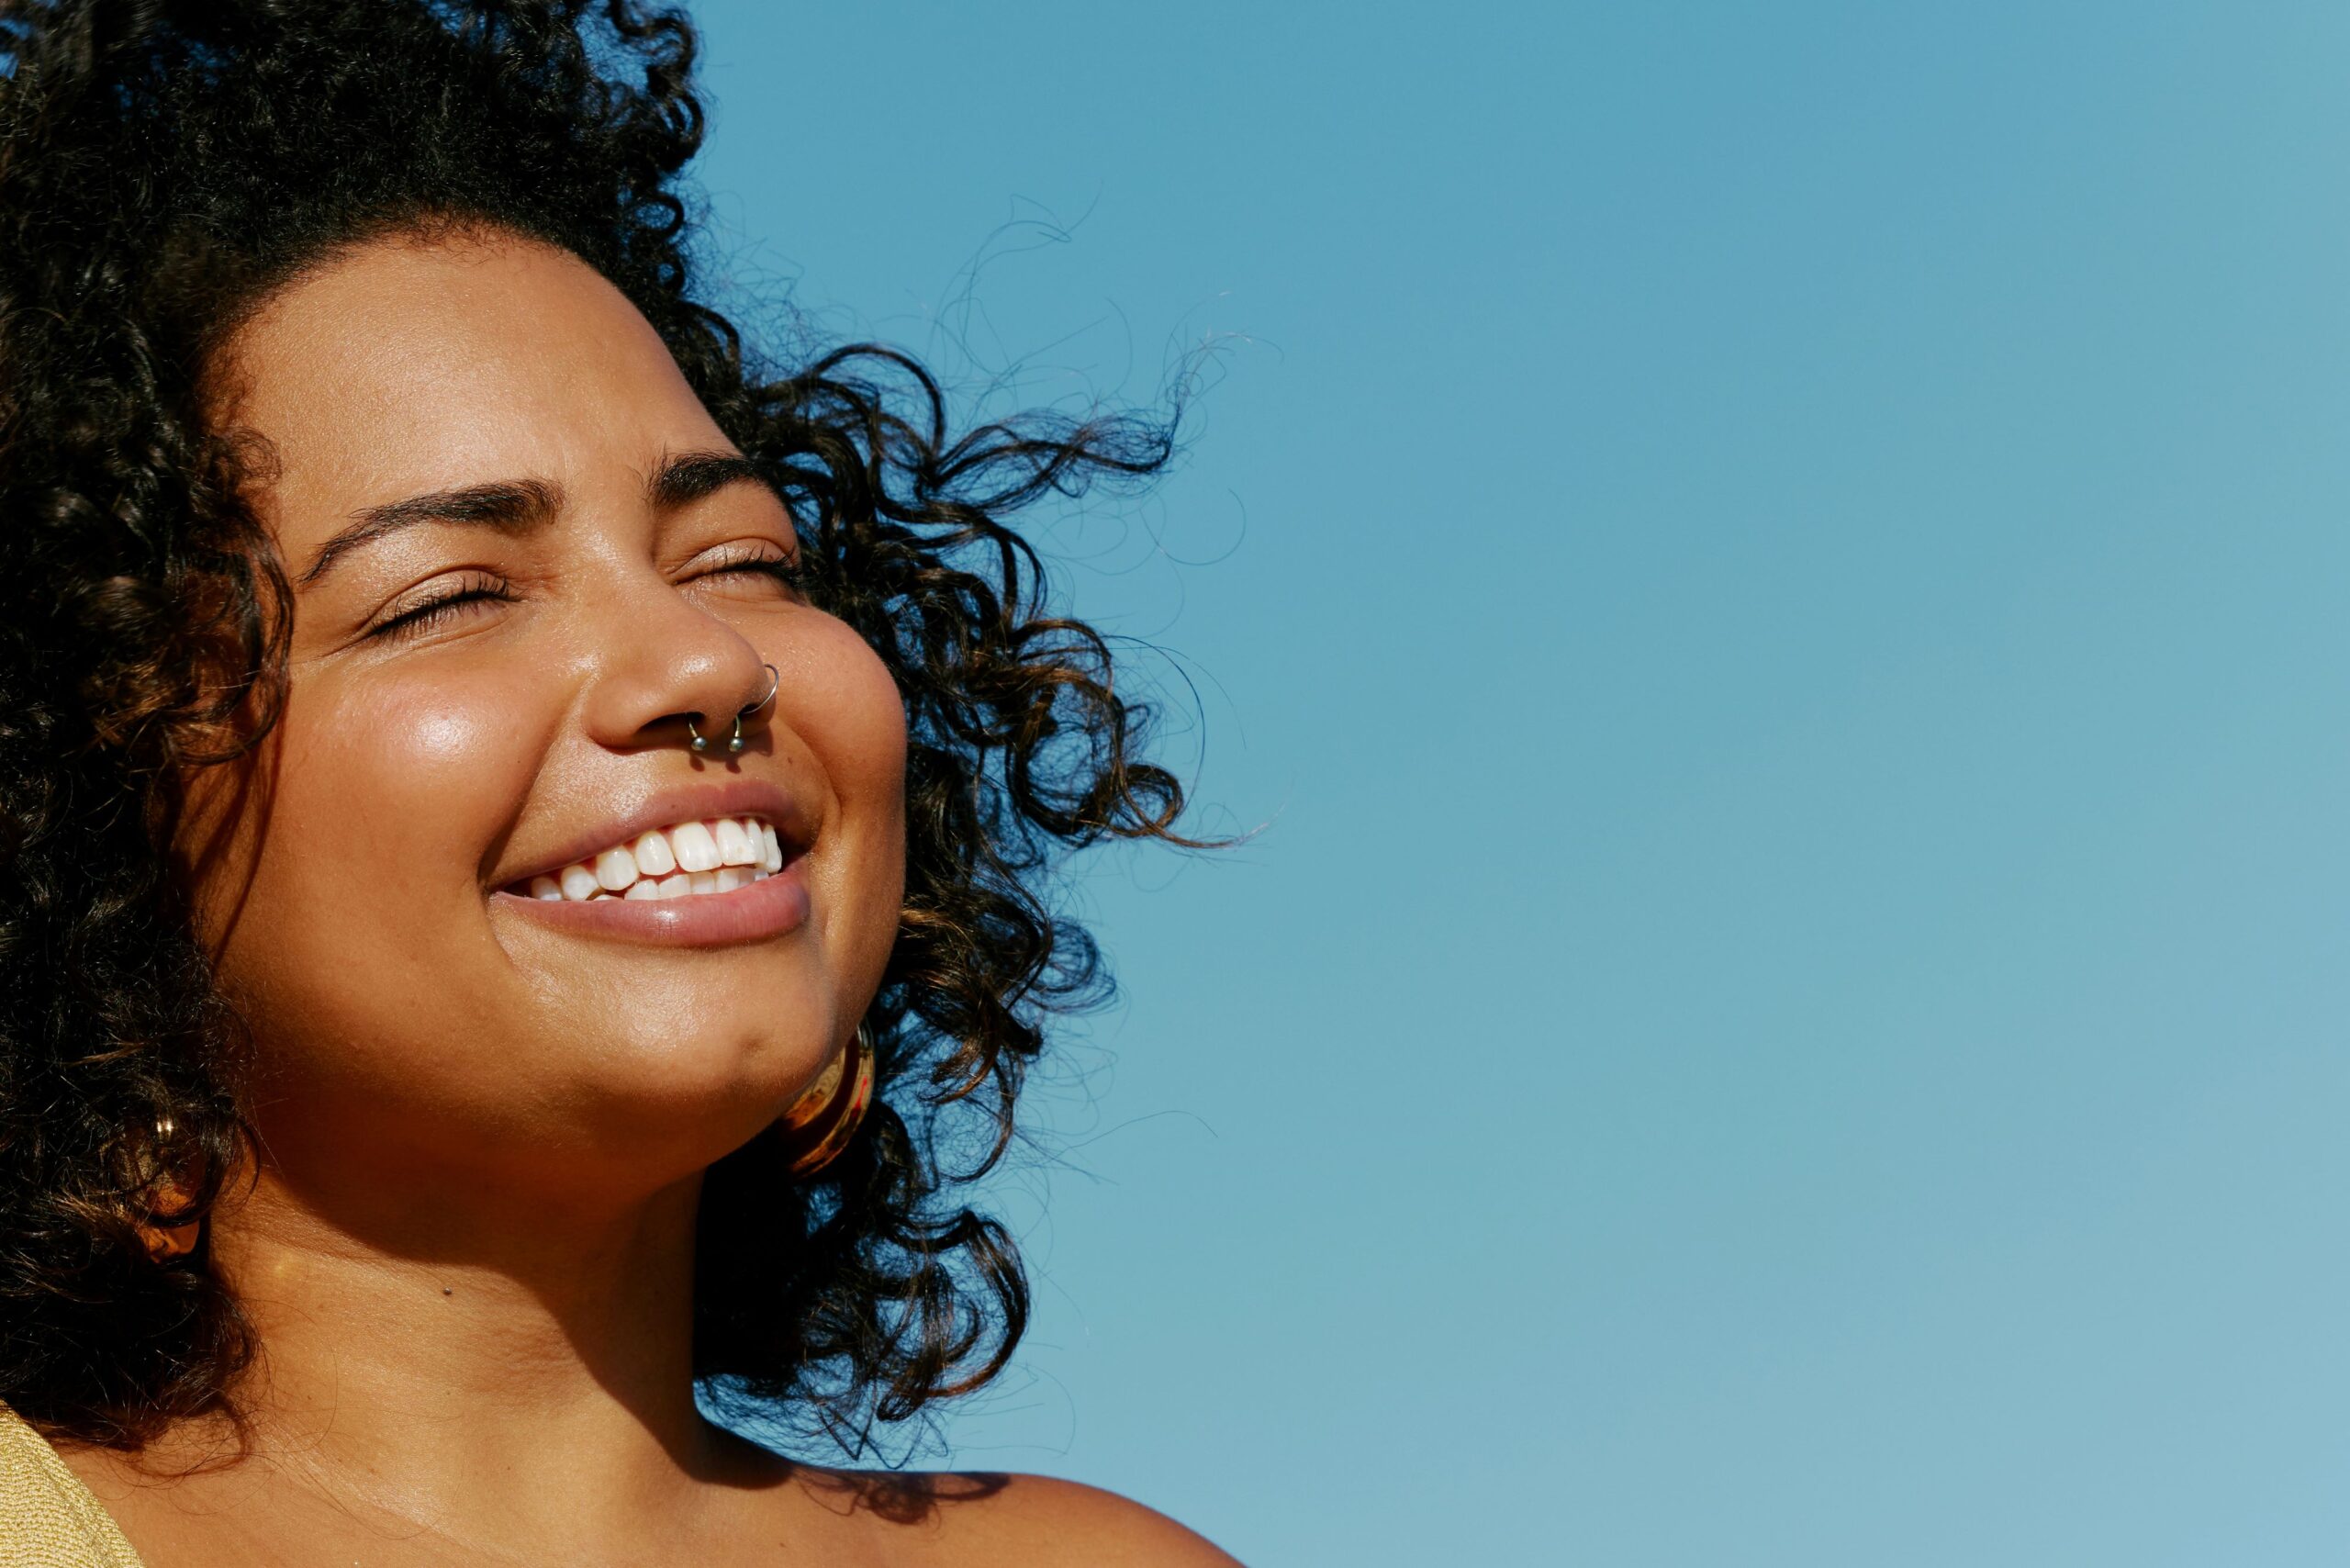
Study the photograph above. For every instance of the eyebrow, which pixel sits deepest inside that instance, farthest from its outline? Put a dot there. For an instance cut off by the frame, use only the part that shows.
(509, 505)
(516, 506)
(689, 475)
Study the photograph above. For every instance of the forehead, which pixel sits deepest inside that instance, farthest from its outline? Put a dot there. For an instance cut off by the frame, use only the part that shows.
(407, 365)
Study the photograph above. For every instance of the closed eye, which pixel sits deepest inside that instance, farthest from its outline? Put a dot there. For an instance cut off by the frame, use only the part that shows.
(459, 600)
(443, 606)
(756, 559)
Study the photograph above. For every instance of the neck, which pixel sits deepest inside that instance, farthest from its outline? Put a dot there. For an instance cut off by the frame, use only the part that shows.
(480, 1371)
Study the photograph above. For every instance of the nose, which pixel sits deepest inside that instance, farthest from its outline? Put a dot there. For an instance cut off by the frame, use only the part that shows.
(669, 672)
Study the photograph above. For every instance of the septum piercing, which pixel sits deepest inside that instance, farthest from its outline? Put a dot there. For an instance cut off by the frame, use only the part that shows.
(735, 743)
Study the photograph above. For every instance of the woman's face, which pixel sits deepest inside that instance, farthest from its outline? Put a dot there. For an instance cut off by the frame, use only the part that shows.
(523, 561)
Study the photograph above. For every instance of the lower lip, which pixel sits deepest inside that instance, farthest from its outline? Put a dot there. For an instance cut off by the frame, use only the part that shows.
(769, 907)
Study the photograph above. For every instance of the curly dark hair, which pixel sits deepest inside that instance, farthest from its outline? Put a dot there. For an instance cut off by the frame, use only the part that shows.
(166, 165)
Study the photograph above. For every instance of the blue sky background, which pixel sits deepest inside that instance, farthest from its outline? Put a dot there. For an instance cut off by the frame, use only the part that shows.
(1776, 576)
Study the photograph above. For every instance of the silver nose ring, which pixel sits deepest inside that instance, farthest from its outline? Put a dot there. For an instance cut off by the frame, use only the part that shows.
(735, 743)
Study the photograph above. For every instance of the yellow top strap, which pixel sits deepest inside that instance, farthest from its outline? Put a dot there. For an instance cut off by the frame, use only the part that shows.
(47, 1519)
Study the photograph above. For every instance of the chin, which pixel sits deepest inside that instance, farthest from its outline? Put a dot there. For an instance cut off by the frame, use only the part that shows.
(680, 1106)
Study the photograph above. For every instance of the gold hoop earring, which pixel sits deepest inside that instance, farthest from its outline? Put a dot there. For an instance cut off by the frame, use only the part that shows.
(826, 1115)
(167, 1238)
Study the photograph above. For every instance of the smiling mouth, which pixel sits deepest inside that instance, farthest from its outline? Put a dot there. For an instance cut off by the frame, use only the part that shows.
(688, 859)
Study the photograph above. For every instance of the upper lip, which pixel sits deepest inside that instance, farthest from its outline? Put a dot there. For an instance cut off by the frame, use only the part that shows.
(770, 803)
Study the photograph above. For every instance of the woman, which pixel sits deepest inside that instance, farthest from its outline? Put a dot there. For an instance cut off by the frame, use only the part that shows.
(518, 873)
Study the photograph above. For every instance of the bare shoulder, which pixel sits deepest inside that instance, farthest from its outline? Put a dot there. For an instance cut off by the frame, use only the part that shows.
(986, 1520)
(1041, 1520)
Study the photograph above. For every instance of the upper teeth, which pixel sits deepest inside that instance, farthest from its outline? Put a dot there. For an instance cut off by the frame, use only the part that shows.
(714, 856)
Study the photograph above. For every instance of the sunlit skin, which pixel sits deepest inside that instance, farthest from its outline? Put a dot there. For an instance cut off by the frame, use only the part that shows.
(467, 1242)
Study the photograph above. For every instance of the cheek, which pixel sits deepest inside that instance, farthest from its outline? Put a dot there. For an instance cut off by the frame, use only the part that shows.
(839, 700)
(365, 842)
(845, 704)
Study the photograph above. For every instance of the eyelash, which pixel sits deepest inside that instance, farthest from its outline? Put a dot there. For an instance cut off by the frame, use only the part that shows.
(784, 569)
(418, 619)
(481, 586)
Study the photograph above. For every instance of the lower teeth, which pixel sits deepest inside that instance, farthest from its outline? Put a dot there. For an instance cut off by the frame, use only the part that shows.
(703, 882)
